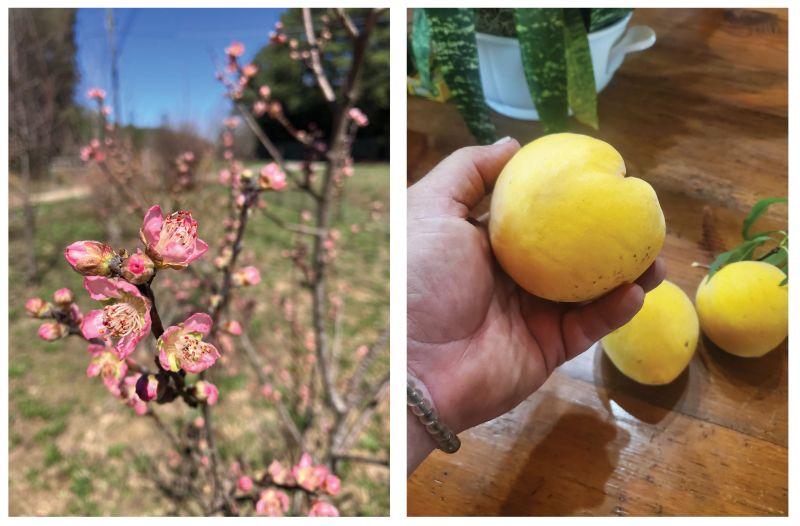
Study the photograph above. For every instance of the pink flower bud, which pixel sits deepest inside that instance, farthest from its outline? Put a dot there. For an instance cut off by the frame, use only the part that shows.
(206, 392)
(249, 70)
(53, 331)
(233, 327)
(245, 483)
(90, 258)
(332, 485)
(37, 308)
(264, 91)
(225, 177)
(247, 276)
(138, 268)
(199, 422)
(272, 177)
(231, 122)
(259, 108)
(358, 117)
(321, 508)
(96, 94)
(147, 387)
(62, 298)
(236, 49)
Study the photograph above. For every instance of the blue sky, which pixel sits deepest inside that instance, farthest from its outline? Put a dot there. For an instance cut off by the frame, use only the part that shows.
(166, 66)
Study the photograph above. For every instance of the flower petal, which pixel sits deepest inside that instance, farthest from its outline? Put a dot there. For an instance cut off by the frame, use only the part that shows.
(100, 288)
(198, 322)
(92, 325)
(151, 228)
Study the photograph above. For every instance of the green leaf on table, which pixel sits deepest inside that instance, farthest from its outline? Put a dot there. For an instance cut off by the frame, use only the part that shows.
(757, 211)
(456, 55)
(581, 90)
(421, 48)
(541, 41)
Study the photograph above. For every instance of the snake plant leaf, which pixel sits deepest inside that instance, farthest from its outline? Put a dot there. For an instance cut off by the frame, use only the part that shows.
(581, 91)
(757, 211)
(456, 56)
(421, 48)
(600, 18)
(541, 41)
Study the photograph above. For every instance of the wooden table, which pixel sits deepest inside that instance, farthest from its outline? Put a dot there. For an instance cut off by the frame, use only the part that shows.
(702, 116)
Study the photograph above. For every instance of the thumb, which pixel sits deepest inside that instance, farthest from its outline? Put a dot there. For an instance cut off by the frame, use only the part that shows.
(467, 175)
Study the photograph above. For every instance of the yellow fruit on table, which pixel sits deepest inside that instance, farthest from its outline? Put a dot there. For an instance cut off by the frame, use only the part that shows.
(743, 309)
(658, 343)
(567, 225)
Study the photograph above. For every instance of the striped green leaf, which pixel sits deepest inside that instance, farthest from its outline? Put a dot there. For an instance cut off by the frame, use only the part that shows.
(421, 48)
(456, 56)
(541, 40)
(581, 91)
(600, 18)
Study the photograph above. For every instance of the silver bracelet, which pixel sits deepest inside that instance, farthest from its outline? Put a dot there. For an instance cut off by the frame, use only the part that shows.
(422, 406)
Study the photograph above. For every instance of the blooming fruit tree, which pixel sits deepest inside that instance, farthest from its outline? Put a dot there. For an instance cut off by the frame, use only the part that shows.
(184, 352)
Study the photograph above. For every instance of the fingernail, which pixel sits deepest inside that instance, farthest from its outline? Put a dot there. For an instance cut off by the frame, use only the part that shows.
(503, 140)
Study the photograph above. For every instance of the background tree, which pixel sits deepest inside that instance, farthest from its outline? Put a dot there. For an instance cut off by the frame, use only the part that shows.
(42, 79)
(282, 74)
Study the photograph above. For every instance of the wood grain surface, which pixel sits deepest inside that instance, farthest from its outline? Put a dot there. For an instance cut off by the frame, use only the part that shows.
(703, 117)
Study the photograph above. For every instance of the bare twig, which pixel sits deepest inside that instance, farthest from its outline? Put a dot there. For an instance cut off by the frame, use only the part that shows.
(363, 366)
(347, 22)
(316, 63)
(255, 362)
(292, 227)
(358, 458)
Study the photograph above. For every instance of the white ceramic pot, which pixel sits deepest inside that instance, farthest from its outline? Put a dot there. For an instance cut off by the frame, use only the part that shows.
(503, 78)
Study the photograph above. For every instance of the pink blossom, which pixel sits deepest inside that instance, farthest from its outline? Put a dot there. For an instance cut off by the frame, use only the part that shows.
(62, 297)
(362, 351)
(227, 155)
(225, 177)
(125, 317)
(232, 327)
(264, 91)
(266, 390)
(272, 503)
(90, 258)
(138, 268)
(76, 313)
(244, 483)
(231, 122)
(358, 117)
(147, 387)
(106, 110)
(321, 508)
(37, 307)
(108, 366)
(171, 242)
(305, 215)
(206, 391)
(199, 422)
(279, 25)
(247, 276)
(259, 108)
(272, 177)
(307, 475)
(52, 331)
(250, 70)
(86, 153)
(181, 346)
(332, 485)
(96, 94)
(279, 474)
(236, 49)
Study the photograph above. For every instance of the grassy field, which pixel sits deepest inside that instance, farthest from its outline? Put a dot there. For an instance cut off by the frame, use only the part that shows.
(75, 450)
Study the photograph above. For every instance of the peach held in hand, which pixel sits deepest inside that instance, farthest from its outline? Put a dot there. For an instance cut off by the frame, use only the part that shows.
(658, 343)
(567, 225)
(744, 309)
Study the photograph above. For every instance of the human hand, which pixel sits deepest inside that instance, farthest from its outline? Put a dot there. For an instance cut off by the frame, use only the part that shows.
(479, 342)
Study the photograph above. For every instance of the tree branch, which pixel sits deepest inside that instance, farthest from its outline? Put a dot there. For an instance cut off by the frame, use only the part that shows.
(316, 63)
